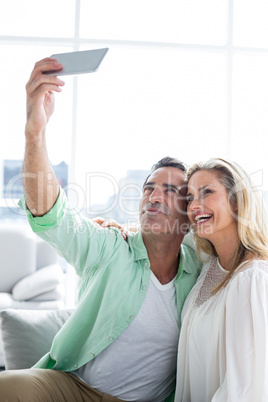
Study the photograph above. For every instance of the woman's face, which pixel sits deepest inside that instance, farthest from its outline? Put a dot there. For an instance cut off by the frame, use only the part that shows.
(209, 210)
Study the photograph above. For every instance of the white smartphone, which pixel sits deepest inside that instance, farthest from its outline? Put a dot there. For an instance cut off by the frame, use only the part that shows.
(86, 61)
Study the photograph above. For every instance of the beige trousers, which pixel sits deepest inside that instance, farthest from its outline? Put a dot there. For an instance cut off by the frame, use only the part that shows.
(40, 385)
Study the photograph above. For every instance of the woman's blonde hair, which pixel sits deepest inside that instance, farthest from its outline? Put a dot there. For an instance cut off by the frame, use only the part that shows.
(252, 220)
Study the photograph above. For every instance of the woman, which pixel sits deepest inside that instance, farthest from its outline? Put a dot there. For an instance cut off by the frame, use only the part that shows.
(223, 347)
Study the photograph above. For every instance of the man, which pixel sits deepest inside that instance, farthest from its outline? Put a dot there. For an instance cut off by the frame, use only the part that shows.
(121, 341)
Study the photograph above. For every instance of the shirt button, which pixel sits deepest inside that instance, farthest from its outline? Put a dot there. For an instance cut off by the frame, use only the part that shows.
(76, 365)
(131, 317)
(92, 355)
(111, 338)
(144, 287)
(146, 264)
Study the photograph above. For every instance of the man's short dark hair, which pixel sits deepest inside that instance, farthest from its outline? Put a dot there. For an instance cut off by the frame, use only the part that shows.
(167, 162)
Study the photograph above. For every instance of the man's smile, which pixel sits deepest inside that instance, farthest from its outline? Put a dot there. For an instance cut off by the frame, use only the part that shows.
(154, 210)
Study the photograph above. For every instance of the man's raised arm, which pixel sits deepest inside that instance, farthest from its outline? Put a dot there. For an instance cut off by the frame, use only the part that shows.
(40, 183)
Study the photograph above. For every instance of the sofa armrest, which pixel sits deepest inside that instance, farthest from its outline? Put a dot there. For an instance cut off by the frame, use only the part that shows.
(41, 281)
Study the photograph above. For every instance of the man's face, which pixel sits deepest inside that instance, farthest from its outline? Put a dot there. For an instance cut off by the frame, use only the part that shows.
(163, 203)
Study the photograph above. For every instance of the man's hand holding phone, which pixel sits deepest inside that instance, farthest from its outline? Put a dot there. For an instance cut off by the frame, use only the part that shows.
(40, 195)
(44, 82)
(40, 95)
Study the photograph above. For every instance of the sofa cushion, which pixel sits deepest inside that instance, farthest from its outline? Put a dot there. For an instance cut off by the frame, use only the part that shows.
(6, 301)
(27, 334)
(39, 282)
(55, 294)
(45, 254)
(17, 255)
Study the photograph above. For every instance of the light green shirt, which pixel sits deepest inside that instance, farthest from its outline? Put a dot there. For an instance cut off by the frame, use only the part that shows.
(114, 277)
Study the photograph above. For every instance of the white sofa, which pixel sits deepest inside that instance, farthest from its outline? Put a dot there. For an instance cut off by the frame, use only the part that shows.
(31, 276)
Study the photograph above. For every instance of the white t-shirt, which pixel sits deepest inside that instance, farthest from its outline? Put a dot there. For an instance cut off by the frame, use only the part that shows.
(140, 365)
(223, 347)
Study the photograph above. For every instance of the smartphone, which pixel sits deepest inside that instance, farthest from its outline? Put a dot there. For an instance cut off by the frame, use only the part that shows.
(86, 61)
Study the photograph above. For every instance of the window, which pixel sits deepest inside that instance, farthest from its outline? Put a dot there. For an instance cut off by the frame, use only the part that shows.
(181, 78)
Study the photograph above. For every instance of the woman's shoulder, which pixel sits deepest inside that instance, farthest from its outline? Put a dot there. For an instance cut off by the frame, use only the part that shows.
(253, 266)
(248, 289)
(254, 270)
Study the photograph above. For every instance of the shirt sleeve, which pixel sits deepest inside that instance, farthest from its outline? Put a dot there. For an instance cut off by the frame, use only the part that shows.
(246, 338)
(82, 243)
(52, 218)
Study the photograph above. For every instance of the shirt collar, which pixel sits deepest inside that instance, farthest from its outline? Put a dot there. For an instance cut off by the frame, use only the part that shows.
(140, 252)
(136, 243)
(184, 263)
